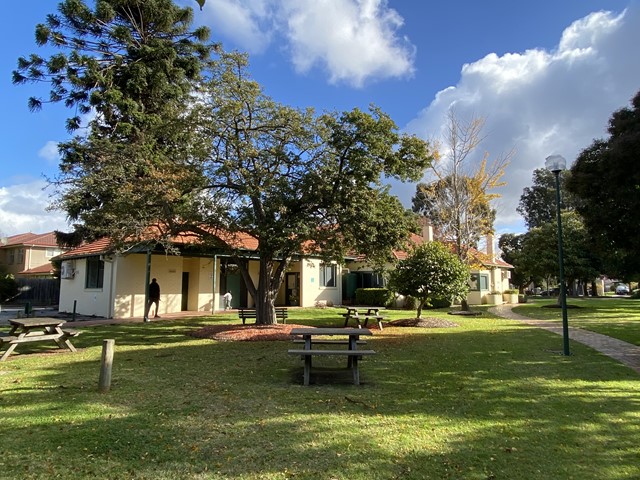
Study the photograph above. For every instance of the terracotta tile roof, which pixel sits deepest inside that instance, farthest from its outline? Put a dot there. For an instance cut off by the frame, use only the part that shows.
(487, 261)
(239, 240)
(87, 249)
(32, 239)
(414, 240)
(47, 268)
(242, 241)
(477, 255)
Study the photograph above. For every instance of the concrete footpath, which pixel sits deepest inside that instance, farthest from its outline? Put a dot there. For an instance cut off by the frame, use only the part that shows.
(624, 352)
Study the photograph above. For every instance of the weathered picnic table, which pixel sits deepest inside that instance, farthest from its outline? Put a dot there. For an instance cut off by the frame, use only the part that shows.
(27, 330)
(366, 313)
(313, 336)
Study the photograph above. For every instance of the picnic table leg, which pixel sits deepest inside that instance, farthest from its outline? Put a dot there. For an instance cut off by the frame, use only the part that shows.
(355, 370)
(307, 370)
(11, 348)
(352, 346)
(65, 343)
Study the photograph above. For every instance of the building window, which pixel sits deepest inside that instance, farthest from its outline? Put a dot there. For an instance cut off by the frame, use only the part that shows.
(479, 282)
(95, 273)
(371, 280)
(12, 257)
(328, 275)
(20, 259)
(52, 252)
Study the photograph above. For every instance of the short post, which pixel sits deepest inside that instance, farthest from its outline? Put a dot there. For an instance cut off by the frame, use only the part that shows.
(27, 309)
(108, 346)
(73, 315)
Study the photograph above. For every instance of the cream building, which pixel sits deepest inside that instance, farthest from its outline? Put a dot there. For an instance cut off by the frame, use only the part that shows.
(29, 254)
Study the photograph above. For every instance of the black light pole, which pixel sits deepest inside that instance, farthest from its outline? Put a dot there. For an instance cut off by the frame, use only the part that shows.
(557, 163)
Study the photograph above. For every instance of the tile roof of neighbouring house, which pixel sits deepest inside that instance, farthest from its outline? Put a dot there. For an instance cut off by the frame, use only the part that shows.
(42, 269)
(31, 239)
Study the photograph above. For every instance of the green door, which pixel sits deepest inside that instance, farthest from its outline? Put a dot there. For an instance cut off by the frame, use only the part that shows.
(349, 286)
(234, 285)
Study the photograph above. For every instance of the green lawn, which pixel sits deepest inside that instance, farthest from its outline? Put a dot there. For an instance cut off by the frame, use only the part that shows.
(490, 399)
(616, 317)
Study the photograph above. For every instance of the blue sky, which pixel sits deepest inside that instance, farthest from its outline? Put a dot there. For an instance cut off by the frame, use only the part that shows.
(545, 75)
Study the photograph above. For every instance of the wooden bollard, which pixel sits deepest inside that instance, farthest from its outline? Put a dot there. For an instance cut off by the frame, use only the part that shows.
(108, 346)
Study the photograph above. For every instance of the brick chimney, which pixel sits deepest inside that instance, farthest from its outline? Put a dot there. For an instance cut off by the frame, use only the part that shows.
(490, 246)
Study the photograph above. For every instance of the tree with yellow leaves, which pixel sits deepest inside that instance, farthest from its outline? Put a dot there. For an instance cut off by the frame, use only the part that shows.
(458, 201)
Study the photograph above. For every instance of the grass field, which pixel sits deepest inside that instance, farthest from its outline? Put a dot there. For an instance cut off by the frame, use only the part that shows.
(616, 317)
(489, 399)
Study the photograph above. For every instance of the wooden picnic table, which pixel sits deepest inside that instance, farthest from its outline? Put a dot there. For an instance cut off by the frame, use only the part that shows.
(314, 336)
(368, 313)
(27, 330)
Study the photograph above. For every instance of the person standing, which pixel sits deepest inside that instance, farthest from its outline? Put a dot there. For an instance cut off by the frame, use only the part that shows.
(227, 300)
(154, 298)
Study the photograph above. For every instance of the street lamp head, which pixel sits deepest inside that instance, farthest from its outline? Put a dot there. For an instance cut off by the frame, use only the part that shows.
(555, 163)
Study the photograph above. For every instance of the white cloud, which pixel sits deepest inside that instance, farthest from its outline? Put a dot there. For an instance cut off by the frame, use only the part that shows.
(544, 102)
(354, 41)
(50, 152)
(248, 22)
(23, 209)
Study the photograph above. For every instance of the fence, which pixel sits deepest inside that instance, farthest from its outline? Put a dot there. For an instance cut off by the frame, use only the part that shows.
(38, 291)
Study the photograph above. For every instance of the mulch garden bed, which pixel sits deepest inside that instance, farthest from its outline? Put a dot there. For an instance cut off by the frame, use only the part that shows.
(261, 333)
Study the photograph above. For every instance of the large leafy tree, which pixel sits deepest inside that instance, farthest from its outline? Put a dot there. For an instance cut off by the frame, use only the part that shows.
(430, 271)
(297, 182)
(606, 177)
(511, 246)
(538, 203)
(458, 201)
(130, 66)
(538, 255)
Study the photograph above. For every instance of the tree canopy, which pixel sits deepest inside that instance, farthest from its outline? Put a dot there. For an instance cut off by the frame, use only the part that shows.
(606, 178)
(130, 67)
(430, 271)
(297, 182)
(538, 203)
(511, 245)
(538, 253)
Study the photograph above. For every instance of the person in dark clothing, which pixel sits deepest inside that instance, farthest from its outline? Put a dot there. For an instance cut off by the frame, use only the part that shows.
(154, 297)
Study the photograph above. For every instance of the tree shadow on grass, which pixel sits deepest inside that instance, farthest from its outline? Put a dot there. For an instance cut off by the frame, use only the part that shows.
(444, 403)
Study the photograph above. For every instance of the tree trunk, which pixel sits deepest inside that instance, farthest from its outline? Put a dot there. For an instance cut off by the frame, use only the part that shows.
(420, 305)
(270, 280)
(266, 297)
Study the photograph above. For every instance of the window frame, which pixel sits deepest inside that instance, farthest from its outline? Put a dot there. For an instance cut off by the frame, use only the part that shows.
(333, 275)
(481, 282)
(94, 276)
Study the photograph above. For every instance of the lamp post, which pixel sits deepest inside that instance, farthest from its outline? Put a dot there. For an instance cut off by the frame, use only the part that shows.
(555, 164)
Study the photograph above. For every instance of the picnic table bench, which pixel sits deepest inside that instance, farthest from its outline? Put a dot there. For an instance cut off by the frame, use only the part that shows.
(366, 313)
(244, 313)
(27, 330)
(310, 338)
